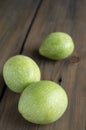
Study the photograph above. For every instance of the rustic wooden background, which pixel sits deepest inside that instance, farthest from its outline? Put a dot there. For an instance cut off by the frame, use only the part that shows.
(23, 25)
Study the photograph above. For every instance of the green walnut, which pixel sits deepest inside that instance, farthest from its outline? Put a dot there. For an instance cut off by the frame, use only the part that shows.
(56, 46)
(19, 71)
(43, 102)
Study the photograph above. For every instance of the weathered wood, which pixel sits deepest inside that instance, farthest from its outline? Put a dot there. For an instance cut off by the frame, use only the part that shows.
(15, 20)
(62, 15)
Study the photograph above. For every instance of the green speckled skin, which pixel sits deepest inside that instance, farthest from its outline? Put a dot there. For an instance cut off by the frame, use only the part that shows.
(43, 102)
(19, 71)
(56, 46)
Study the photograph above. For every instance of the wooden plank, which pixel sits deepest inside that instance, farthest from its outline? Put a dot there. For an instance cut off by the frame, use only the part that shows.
(68, 16)
(15, 19)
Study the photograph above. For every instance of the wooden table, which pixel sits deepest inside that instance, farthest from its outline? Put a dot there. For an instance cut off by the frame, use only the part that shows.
(23, 26)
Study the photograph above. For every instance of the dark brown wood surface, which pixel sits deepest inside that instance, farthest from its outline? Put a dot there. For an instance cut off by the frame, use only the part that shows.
(23, 26)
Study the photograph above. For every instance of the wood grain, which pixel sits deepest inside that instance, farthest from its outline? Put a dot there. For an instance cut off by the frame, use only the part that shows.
(15, 20)
(67, 16)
